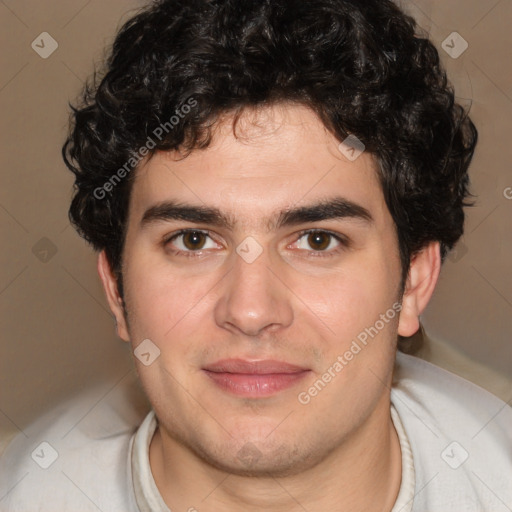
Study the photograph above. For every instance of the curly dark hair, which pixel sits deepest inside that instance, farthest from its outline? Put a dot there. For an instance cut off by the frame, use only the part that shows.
(360, 65)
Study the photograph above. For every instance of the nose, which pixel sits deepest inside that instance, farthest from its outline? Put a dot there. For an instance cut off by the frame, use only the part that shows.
(253, 300)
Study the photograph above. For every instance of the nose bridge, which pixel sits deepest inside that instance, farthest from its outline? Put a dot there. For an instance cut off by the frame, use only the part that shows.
(253, 298)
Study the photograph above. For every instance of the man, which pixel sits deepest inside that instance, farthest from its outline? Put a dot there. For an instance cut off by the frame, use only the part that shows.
(272, 187)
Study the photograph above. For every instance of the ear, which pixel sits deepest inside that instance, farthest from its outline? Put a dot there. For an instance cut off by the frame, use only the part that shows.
(421, 281)
(114, 299)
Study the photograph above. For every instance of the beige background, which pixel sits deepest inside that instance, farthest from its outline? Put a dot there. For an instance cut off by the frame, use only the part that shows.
(57, 333)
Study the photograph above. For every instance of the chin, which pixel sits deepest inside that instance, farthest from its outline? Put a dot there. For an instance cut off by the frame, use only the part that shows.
(259, 451)
(258, 461)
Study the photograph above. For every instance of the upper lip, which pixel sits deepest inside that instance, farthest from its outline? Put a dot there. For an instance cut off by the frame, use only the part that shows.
(261, 367)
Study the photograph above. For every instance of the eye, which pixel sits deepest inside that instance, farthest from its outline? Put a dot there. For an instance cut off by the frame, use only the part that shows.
(320, 241)
(317, 242)
(190, 240)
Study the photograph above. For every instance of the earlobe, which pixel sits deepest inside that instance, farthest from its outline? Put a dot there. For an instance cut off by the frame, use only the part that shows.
(115, 301)
(421, 281)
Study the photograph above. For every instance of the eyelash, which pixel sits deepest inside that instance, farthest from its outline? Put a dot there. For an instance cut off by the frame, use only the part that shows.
(344, 242)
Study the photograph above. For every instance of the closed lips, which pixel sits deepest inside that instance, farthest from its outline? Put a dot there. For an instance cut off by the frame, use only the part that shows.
(263, 367)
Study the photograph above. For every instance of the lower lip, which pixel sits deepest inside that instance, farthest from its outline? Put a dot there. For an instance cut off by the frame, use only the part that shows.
(255, 385)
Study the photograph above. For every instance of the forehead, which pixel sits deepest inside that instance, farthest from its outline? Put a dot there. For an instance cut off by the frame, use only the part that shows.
(273, 158)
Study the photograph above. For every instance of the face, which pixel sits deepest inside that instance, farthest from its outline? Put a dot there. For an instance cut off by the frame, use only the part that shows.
(230, 255)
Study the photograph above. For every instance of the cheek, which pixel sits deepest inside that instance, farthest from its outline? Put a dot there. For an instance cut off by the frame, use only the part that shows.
(346, 301)
(157, 299)
(166, 310)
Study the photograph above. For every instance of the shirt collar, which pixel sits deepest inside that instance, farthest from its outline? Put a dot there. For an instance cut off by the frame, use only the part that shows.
(149, 499)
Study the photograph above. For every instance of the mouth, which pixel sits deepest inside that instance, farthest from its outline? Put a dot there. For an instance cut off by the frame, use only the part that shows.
(254, 379)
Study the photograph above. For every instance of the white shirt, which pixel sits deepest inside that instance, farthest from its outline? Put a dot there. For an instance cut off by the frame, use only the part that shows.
(149, 499)
(455, 438)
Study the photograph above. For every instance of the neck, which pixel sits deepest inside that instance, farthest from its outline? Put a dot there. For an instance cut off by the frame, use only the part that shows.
(361, 474)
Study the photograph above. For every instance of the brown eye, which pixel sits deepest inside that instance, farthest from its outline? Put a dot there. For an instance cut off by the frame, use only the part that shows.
(194, 240)
(190, 242)
(319, 241)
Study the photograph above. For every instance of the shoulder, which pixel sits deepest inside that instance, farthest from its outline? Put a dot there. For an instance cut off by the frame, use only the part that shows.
(75, 457)
(443, 397)
(460, 436)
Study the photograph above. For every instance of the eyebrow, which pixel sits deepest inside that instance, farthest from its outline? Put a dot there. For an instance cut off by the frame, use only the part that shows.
(328, 209)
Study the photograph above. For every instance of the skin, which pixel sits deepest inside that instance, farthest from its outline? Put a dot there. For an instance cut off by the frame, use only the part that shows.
(293, 303)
